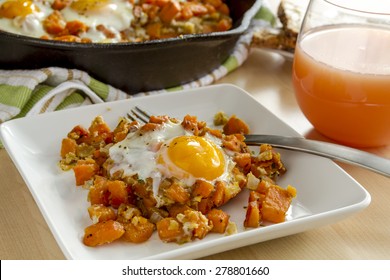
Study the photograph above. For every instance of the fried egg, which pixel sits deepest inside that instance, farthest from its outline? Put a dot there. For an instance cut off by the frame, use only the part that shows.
(24, 16)
(171, 151)
(115, 15)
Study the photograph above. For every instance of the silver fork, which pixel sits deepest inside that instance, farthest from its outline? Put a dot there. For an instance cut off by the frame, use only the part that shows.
(332, 151)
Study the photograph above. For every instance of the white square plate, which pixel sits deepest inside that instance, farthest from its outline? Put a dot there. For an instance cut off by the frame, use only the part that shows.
(326, 194)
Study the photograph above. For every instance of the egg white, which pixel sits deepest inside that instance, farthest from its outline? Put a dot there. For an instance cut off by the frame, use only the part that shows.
(30, 25)
(116, 16)
(137, 154)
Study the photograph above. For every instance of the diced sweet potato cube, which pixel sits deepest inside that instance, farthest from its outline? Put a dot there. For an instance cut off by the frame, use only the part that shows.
(75, 27)
(275, 204)
(215, 132)
(185, 227)
(159, 3)
(224, 9)
(118, 193)
(60, 4)
(240, 177)
(205, 205)
(169, 11)
(98, 127)
(219, 194)
(177, 208)
(159, 119)
(103, 232)
(79, 134)
(68, 38)
(169, 230)
(214, 3)
(100, 213)
(84, 170)
(202, 188)
(243, 160)
(219, 219)
(68, 146)
(264, 184)
(177, 193)
(98, 192)
(253, 215)
(255, 196)
(198, 9)
(154, 30)
(123, 128)
(186, 12)
(234, 142)
(190, 123)
(99, 132)
(99, 156)
(235, 126)
(195, 225)
(138, 230)
(224, 25)
(150, 127)
(54, 23)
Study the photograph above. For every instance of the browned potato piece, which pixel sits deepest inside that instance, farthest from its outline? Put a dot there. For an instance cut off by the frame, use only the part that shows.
(219, 219)
(68, 146)
(202, 189)
(169, 230)
(118, 193)
(138, 230)
(219, 193)
(100, 213)
(235, 126)
(253, 216)
(276, 203)
(177, 193)
(85, 170)
(103, 232)
(196, 224)
(177, 208)
(98, 192)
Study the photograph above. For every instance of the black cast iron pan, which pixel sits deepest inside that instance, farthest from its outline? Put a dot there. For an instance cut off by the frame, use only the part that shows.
(133, 67)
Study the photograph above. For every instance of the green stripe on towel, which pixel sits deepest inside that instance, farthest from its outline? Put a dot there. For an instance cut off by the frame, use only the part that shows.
(16, 96)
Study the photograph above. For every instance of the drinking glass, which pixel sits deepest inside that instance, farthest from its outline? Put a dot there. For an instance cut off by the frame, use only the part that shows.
(341, 70)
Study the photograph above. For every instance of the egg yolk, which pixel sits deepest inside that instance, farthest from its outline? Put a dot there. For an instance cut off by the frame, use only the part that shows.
(197, 156)
(17, 8)
(83, 6)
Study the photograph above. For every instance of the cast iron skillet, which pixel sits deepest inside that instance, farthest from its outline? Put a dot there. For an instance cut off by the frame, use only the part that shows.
(133, 67)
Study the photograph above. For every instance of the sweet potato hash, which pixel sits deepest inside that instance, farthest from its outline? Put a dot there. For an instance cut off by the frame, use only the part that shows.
(172, 176)
(112, 21)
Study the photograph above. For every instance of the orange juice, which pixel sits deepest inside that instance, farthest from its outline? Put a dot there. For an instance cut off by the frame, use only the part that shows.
(341, 77)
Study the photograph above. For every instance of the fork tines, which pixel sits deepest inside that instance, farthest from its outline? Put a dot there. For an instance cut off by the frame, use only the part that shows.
(138, 114)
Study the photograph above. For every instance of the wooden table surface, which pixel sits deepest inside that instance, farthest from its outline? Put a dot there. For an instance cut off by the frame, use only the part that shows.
(24, 233)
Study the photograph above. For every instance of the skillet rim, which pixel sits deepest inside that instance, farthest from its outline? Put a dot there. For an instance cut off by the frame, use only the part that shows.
(239, 30)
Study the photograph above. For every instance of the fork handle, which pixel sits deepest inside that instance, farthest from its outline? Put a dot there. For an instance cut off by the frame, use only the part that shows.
(329, 150)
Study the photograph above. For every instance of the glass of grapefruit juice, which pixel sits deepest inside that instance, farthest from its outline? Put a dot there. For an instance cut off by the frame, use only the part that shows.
(341, 70)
